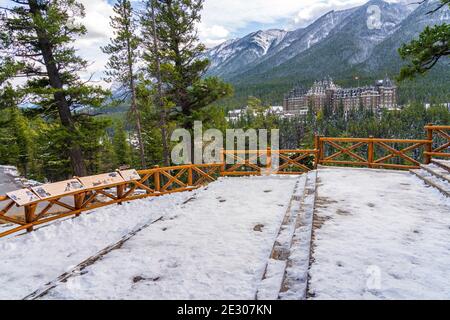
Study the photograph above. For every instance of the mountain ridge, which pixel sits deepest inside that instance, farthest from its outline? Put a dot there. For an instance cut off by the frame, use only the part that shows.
(339, 43)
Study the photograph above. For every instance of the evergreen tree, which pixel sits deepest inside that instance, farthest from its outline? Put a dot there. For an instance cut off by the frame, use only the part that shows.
(36, 37)
(121, 146)
(23, 140)
(433, 45)
(182, 66)
(123, 61)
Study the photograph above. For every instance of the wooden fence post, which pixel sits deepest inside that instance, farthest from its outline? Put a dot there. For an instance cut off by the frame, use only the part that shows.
(222, 160)
(157, 180)
(269, 160)
(120, 192)
(428, 146)
(370, 153)
(317, 149)
(29, 215)
(321, 149)
(78, 200)
(190, 178)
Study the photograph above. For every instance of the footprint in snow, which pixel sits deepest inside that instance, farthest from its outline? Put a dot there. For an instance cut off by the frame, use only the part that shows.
(258, 228)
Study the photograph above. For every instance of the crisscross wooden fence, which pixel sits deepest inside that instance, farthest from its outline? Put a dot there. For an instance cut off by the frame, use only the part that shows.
(372, 152)
(152, 183)
(367, 152)
(440, 146)
(257, 162)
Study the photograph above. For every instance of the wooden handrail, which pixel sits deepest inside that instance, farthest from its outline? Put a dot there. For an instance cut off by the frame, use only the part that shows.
(437, 127)
(375, 140)
(86, 199)
(165, 180)
(369, 158)
(440, 144)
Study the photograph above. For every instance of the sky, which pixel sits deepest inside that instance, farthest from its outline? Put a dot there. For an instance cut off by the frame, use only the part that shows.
(221, 20)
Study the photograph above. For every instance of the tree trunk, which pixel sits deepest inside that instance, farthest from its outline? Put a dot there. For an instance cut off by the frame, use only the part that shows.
(163, 112)
(74, 149)
(134, 108)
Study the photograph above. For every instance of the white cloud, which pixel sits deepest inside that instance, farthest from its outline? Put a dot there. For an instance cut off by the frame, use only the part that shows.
(236, 15)
(221, 20)
(99, 32)
(212, 35)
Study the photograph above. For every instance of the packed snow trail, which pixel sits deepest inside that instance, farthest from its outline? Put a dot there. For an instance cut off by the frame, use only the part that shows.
(214, 247)
(8, 179)
(380, 235)
(30, 261)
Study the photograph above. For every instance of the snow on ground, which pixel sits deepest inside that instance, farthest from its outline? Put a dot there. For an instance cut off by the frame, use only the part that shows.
(213, 247)
(385, 235)
(29, 261)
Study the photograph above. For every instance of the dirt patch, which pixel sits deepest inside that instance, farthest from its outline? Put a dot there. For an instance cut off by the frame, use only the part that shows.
(322, 202)
(343, 212)
(258, 228)
(319, 222)
(141, 278)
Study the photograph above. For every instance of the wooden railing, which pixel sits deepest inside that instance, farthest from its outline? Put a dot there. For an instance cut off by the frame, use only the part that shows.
(372, 152)
(258, 162)
(152, 183)
(367, 152)
(440, 146)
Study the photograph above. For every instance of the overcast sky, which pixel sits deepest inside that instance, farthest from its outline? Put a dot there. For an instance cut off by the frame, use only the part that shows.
(221, 20)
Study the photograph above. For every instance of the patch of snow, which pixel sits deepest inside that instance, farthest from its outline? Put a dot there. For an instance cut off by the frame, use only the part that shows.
(10, 170)
(213, 247)
(31, 260)
(384, 236)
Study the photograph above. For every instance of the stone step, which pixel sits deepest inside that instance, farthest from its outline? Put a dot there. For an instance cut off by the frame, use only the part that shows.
(272, 279)
(444, 164)
(433, 181)
(437, 171)
(295, 282)
(295, 231)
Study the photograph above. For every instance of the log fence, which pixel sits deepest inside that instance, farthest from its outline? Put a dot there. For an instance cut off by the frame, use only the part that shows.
(366, 152)
(440, 146)
(371, 152)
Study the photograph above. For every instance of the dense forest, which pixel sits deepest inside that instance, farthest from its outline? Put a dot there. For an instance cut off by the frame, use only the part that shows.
(55, 124)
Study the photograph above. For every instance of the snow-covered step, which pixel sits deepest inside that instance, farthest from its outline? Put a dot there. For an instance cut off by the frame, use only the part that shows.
(437, 171)
(433, 181)
(295, 282)
(286, 275)
(444, 164)
(272, 280)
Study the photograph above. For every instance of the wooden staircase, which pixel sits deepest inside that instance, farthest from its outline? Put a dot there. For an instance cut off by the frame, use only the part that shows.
(436, 175)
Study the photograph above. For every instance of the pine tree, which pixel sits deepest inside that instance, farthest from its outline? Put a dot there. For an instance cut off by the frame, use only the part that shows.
(36, 37)
(433, 45)
(121, 146)
(153, 57)
(123, 61)
(180, 51)
(22, 135)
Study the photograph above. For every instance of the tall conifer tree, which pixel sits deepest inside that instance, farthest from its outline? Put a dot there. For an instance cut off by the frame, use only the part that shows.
(36, 41)
(123, 61)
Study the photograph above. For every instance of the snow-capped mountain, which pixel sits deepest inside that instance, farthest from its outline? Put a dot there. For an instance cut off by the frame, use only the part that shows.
(233, 55)
(408, 29)
(336, 41)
